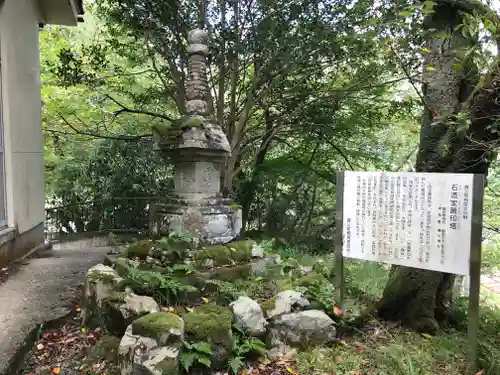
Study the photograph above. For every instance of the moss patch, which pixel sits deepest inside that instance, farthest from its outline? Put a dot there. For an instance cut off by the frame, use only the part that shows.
(121, 266)
(105, 350)
(311, 279)
(268, 305)
(106, 278)
(168, 366)
(139, 249)
(241, 251)
(151, 325)
(209, 322)
(220, 255)
(192, 121)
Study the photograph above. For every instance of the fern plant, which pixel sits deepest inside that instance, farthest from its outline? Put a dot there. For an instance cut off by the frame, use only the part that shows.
(243, 347)
(163, 288)
(198, 353)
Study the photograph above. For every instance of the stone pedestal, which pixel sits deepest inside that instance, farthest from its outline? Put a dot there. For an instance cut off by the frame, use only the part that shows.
(210, 220)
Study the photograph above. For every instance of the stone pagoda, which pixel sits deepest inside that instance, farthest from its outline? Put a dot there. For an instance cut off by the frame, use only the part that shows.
(198, 149)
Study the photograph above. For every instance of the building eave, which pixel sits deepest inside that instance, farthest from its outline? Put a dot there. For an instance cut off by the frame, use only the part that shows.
(61, 12)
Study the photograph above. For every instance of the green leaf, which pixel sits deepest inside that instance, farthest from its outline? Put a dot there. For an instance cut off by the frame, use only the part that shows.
(187, 360)
(405, 14)
(426, 335)
(235, 364)
(202, 347)
(371, 22)
(204, 361)
(430, 68)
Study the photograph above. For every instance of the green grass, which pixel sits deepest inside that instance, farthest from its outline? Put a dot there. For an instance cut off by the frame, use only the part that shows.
(382, 349)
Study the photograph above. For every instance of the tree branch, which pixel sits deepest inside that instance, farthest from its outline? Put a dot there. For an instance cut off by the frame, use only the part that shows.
(77, 131)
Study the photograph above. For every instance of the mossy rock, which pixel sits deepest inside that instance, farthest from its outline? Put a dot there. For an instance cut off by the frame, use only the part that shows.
(212, 323)
(216, 255)
(139, 249)
(241, 251)
(121, 266)
(268, 305)
(241, 271)
(105, 350)
(311, 279)
(166, 328)
(192, 122)
(162, 129)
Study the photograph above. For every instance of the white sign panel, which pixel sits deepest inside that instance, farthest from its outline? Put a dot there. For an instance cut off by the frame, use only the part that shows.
(420, 220)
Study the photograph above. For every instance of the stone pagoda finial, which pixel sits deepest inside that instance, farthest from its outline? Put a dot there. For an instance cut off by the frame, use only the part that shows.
(198, 148)
(197, 90)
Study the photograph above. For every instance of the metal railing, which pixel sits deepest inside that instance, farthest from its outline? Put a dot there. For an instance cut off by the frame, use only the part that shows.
(117, 214)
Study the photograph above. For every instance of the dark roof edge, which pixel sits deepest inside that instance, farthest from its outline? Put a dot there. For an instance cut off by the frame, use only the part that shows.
(79, 8)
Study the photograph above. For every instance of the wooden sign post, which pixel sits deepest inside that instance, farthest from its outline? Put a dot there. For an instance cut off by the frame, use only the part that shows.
(429, 221)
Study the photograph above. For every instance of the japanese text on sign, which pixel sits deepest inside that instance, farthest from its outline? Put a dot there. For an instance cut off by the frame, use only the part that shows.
(420, 220)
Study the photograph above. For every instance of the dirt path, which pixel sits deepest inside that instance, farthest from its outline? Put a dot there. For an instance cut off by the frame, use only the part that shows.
(41, 290)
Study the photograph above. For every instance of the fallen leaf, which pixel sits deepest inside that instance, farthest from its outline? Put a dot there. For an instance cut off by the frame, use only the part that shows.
(426, 335)
(204, 299)
(4, 269)
(286, 359)
(291, 370)
(361, 347)
(56, 370)
(479, 372)
(84, 330)
(337, 310)
(78, 309)
(40, 346)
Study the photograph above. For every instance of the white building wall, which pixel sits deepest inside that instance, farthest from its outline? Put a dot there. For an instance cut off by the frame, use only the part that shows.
(22, 113)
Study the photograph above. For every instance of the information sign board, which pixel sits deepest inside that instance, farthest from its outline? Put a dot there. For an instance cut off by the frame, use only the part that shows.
(420, 220)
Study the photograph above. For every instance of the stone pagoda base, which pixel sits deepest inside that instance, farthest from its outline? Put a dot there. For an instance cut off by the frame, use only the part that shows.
(210, 220)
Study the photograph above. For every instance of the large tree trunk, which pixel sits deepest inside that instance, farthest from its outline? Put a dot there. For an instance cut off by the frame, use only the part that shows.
(419, 298)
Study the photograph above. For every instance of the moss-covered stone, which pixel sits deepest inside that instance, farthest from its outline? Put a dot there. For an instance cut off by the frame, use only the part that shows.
(162, 129)
(166, 328)
(212, 323)
(242, 271)
(105, 278)
(311, 279)
(105, 350)
(218, 255)
(170, 365)
(241, 251)
(121, 266)
(268, 305)
(192, 121)
(139, 249)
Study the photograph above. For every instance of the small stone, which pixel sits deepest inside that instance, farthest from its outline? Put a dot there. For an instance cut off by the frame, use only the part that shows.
(260, 267)
(284, 303)
(257, 251)
(142, 355)
(165, 327)
(301, 329)
(122, 308)
(281, 350)
(99, 284)
(248, 314)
